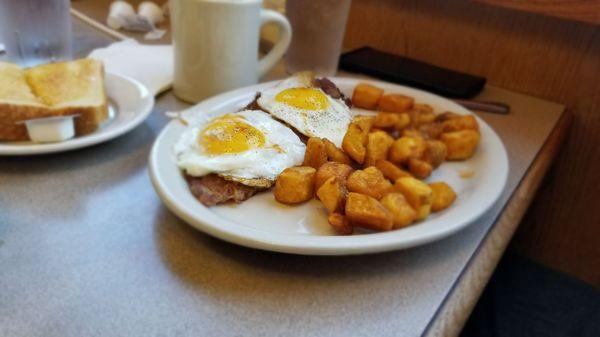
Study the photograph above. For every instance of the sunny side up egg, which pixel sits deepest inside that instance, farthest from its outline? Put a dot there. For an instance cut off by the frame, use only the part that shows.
(249, 147)
(307, 108)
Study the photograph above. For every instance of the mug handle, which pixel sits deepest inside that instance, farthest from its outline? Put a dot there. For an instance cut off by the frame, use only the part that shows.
(276, 53)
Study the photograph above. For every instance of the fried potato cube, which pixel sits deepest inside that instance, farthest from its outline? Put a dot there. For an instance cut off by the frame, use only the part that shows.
(420, 118)
(403, 121)
(417, 193)
(395, 103)
(402, 212)
(365, 211)
(332, 194)
(378, 144)
(423, 108)
(442, 196)
(340, 224)
(366, 96)
(369, 181)
(431, 130)
(410, 132)
(365, 123)
(335, 154)
(419, 168)
(435, 152)
(461, 144)
(295, 185)
(332, 169)
(446, 115)
(462, 122)
(405, 148)
(355, 140)
(390, 170)
(315, 154)
(425, 118)
(385, 120)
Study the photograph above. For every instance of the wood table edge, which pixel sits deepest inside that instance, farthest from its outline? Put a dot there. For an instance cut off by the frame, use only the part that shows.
(458, 304)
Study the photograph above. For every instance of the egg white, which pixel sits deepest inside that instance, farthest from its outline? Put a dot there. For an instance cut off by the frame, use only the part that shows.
(330, 123)
(282, 149)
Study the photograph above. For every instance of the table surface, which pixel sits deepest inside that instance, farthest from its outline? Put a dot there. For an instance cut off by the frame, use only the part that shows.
(88, 249)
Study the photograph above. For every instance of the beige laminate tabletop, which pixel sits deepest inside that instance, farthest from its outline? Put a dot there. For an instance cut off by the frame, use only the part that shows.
(88, 249)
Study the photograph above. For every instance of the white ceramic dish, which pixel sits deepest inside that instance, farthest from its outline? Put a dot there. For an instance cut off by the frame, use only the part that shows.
(262, 223)
(130, 103)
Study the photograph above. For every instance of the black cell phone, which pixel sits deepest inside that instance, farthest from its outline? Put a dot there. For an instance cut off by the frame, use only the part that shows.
(411, 72)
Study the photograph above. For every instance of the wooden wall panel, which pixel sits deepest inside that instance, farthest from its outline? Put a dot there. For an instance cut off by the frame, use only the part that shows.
(547, 57)
(580, 10)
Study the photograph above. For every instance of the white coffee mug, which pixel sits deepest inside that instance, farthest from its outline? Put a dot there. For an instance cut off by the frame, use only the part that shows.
(216, 45)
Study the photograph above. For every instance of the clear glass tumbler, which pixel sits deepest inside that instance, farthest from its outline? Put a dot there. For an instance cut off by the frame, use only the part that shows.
(35, 31)
(317, 34)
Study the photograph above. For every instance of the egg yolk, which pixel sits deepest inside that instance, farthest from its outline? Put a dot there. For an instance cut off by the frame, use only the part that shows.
(303, 98)
(230, 134)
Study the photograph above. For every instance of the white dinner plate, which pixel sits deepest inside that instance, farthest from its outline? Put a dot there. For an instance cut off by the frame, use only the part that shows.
(262, 223)
(130, 103)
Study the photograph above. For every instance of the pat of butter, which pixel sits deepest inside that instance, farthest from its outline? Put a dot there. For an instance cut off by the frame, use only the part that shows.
(51, 129)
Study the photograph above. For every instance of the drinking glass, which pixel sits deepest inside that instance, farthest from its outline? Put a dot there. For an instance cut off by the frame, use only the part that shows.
(35, 31)
(318, 28)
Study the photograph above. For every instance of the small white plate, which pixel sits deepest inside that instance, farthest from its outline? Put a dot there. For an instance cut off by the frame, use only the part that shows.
(262, 223)
(130, 103)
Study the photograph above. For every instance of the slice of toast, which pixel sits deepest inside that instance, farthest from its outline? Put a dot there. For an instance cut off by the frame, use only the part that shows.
(75, 87)
(56, 89)
(17, 103)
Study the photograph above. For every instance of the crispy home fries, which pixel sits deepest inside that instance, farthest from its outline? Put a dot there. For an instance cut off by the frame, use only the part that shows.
(301, 137)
